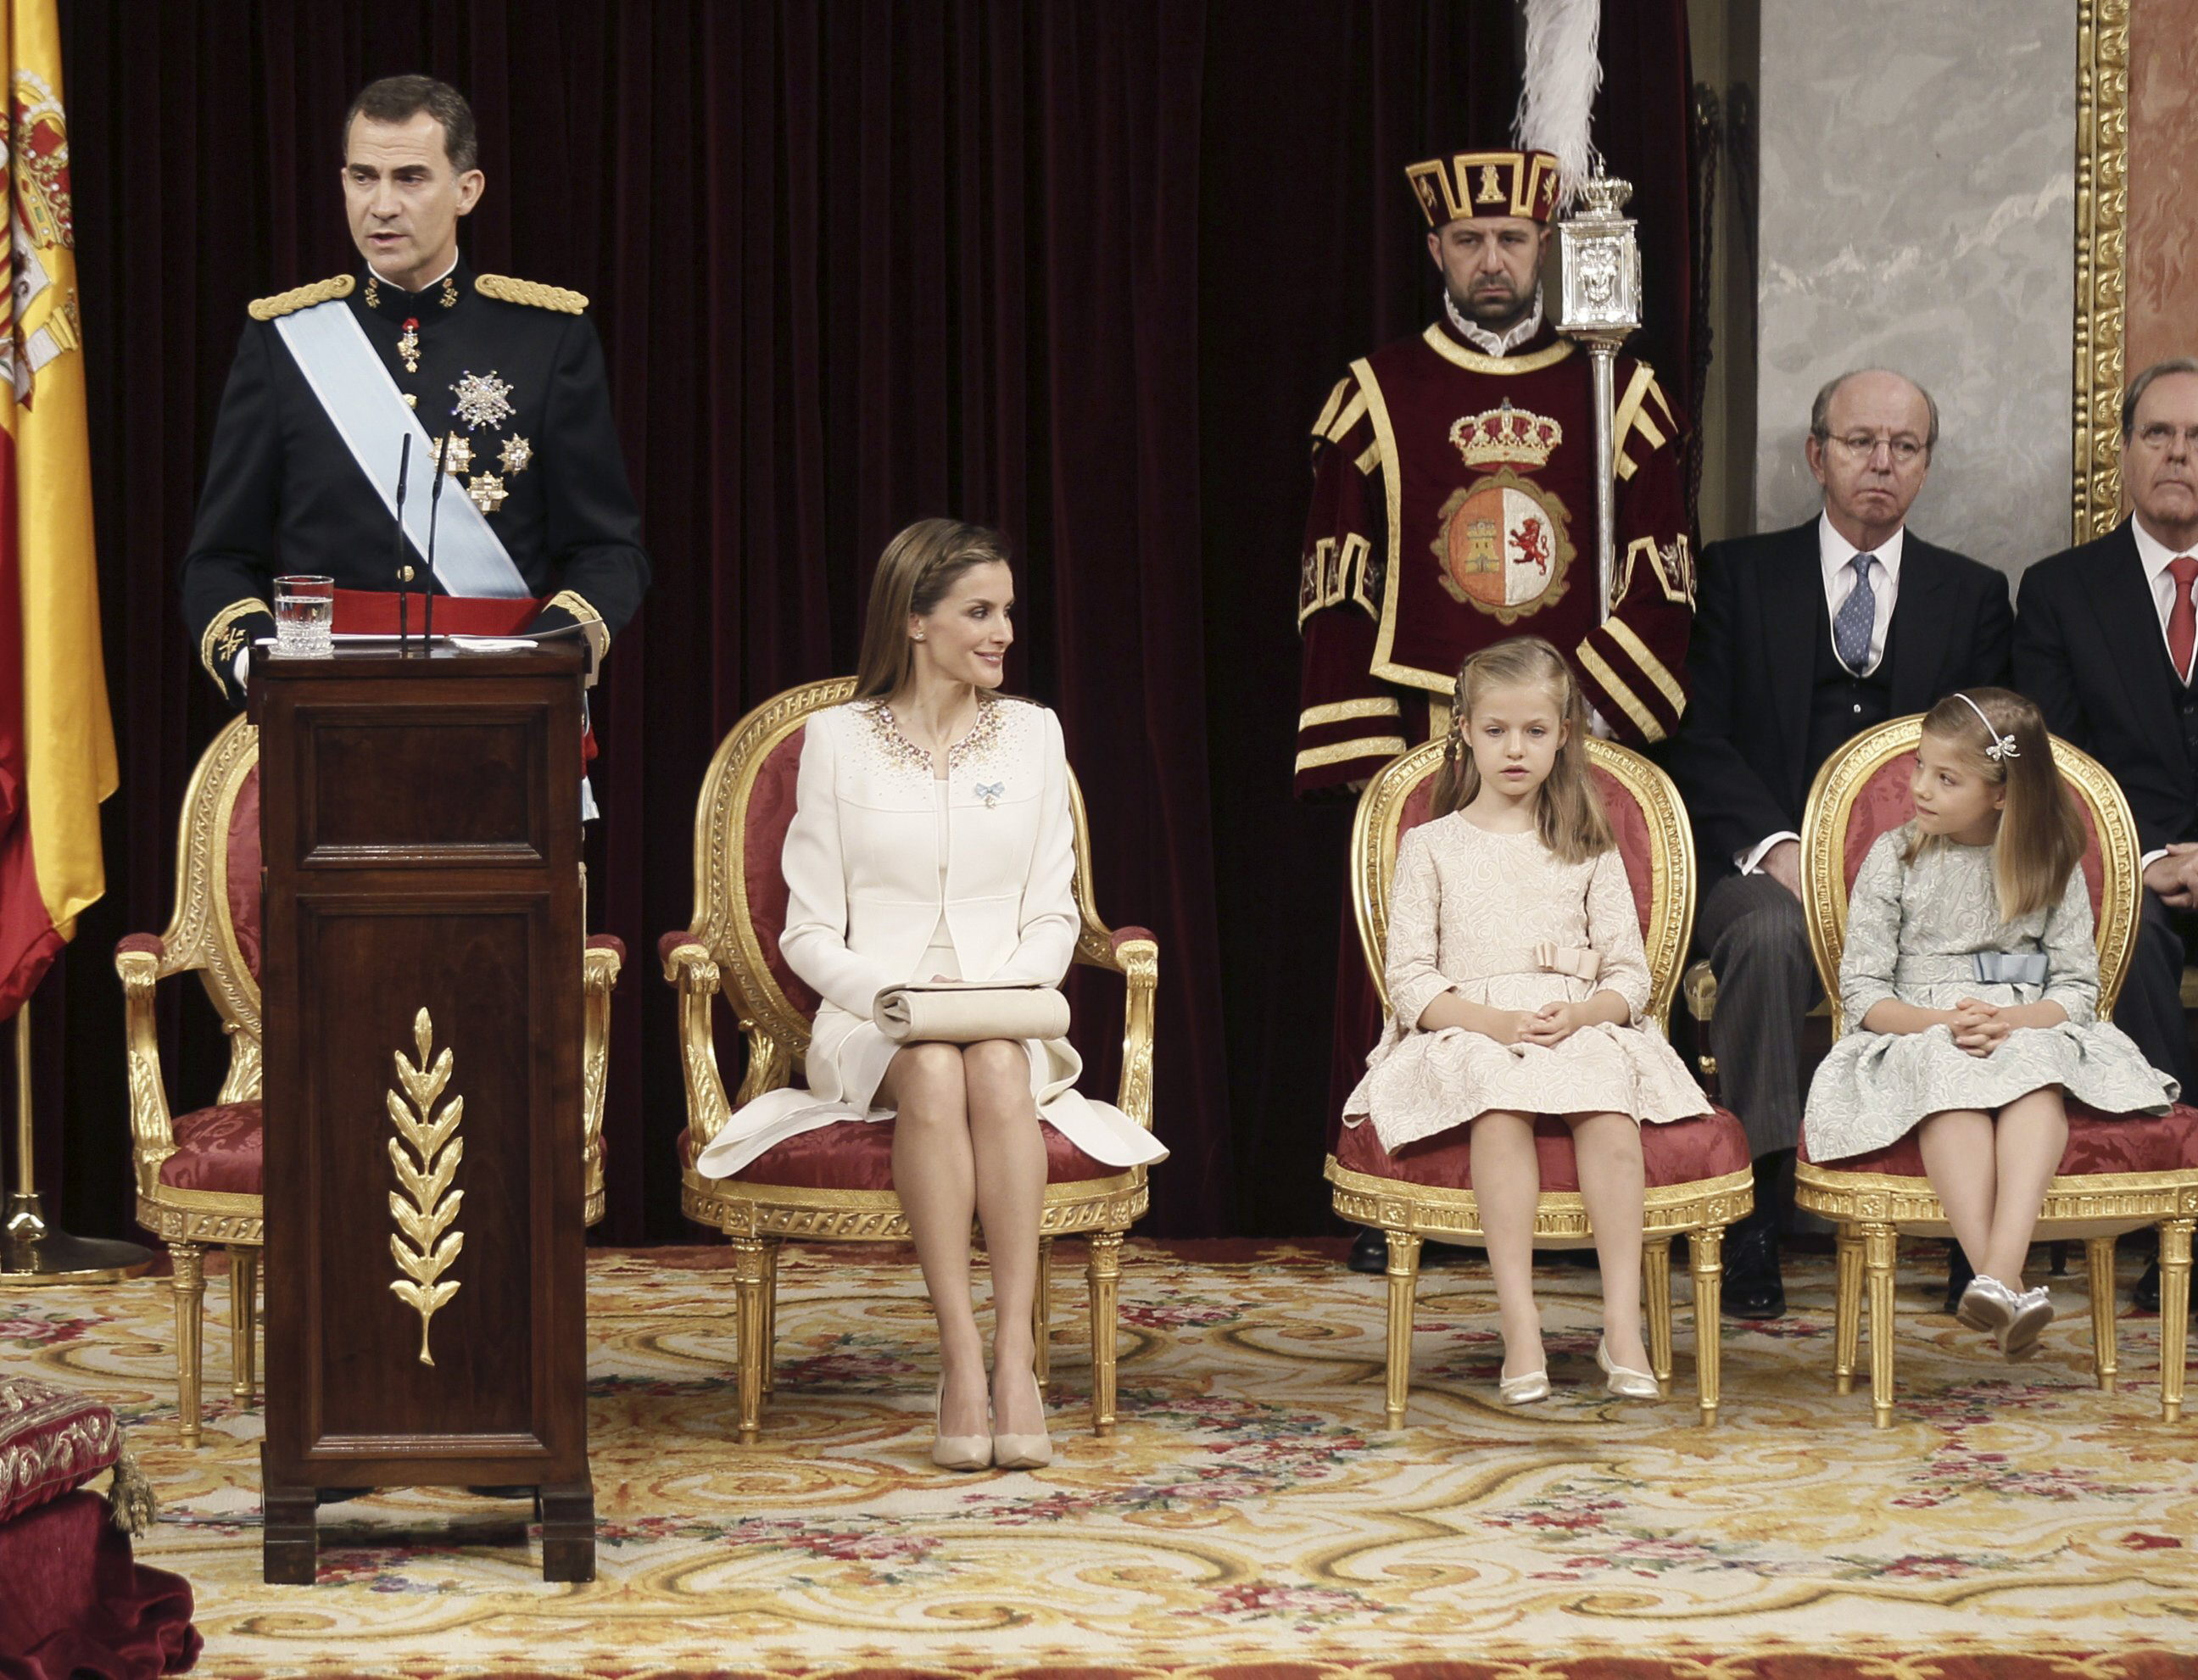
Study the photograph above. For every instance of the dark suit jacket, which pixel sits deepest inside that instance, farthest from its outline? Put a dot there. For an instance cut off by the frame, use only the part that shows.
(2088, 650)
(1741, 758)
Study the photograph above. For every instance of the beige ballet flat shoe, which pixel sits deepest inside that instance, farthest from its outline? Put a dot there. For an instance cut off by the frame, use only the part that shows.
(1524, 1389)
(1623, 1381)
(956, 1452)
(1024, 1452)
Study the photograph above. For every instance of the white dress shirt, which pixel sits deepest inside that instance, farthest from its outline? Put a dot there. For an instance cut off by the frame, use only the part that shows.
(1836, 555)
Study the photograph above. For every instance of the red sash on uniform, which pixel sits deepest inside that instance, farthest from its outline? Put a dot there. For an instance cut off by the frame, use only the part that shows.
(374, 612)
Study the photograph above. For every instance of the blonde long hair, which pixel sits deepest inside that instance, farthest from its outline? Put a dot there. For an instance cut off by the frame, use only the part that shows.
(914, 574)
(1568, 814)
(2041, 838)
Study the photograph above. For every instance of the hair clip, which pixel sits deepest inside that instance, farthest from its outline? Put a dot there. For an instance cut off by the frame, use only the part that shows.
(2001, 748)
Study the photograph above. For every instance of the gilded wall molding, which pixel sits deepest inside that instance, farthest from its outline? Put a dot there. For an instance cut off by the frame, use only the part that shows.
(2102, 43)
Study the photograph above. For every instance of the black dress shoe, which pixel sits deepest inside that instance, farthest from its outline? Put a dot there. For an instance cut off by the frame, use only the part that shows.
(1369, 1252)
(2145, 1298)
(1959, 1272)
(1752, 1286)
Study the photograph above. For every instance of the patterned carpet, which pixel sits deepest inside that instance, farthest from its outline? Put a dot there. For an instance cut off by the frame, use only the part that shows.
(1249, 1519)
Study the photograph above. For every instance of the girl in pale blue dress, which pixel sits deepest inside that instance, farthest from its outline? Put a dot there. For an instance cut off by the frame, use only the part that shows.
(1970, 986)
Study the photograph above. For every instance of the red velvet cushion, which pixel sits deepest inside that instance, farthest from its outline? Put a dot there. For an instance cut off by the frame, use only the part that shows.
(1684, 1152)
(52, 1441)
(2140, 1143)
(1628, 823)
(1885, 802)
(244, 868)
(770, 813)
(72, 1602)
(857, 1155)
(217, 1148)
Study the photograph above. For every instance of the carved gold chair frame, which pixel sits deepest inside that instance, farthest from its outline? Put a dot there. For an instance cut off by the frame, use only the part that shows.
(721, 952)
(1412, 1213)
(1872, 1210)
(200, 936)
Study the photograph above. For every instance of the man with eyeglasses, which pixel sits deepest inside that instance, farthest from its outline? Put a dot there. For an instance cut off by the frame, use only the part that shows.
(1803, 638)
(2104, 643)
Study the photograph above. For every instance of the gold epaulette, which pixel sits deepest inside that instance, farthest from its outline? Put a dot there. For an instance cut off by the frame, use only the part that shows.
(301, 297)
(504, 290)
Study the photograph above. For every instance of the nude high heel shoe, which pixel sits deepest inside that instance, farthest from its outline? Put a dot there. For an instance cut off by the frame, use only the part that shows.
(956, 1452)
(1024, 1452)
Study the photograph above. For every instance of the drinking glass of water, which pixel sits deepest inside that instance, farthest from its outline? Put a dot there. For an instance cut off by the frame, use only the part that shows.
(305, 613)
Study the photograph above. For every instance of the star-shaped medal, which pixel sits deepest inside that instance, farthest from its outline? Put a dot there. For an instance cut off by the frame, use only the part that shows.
(518, 455)
(457, 455)
(487, 491)
(483, 399)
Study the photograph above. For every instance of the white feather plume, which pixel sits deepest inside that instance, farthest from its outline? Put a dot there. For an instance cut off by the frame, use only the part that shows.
(1556, 96)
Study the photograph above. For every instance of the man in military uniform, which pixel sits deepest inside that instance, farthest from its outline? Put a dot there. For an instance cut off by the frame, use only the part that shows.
(1453, 505)
(501, 379)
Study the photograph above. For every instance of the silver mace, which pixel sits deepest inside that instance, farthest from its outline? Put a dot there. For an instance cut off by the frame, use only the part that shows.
(1598, 285)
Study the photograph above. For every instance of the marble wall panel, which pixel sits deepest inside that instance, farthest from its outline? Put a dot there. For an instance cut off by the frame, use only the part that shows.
(1918, 212)
(2162, 276)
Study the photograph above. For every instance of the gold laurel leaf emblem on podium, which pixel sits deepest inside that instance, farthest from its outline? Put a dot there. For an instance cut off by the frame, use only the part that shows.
(424, 1245)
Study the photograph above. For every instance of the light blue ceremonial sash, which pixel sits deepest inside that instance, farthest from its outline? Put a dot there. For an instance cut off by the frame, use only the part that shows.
(371, 416)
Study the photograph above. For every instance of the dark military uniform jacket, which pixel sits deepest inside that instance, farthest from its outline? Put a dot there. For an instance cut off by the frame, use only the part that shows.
(509, 370)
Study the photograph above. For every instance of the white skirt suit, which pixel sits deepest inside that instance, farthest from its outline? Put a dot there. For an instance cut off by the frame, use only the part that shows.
(893, 875)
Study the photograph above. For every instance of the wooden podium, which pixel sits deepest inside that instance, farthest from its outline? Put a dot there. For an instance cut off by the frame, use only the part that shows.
(422, 992)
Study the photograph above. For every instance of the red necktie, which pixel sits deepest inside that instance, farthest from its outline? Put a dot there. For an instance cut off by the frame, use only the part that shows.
(2183, 616)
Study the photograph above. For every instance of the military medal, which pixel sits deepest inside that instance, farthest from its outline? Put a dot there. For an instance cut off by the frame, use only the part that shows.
(450, 292)
(518, 455)
(483, 399)
(486, 491)
(457, 455)
(408, 345)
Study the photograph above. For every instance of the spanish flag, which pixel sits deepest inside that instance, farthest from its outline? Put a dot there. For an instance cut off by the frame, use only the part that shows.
(56, 738)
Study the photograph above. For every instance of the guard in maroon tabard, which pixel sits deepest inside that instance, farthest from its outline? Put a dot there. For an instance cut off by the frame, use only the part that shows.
(1453, 505)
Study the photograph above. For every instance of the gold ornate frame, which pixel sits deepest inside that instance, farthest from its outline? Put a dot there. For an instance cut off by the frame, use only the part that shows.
(1411, 1213)
(1872, 1210)
(721, 954)
(2103, 42)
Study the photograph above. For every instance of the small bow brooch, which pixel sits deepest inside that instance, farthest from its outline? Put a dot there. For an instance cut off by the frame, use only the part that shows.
(990, 792)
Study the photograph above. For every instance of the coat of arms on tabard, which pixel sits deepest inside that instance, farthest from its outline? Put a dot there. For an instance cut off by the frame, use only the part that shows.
(1503, 547)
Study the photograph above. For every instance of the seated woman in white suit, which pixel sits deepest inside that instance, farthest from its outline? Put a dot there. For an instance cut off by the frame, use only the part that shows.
(932, 839)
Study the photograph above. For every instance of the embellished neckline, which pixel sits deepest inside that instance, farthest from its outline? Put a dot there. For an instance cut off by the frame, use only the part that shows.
(981, 735)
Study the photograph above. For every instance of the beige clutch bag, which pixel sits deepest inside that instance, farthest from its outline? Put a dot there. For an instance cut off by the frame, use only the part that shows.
(965, 1012)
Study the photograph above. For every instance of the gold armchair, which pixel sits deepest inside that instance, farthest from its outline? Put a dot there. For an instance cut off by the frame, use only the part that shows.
(2116, 1174)
(1699, 1178)
(834, 1185)
(199, 1173)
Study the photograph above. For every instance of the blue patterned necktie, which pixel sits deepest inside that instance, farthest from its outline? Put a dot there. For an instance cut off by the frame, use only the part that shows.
(1851, 630)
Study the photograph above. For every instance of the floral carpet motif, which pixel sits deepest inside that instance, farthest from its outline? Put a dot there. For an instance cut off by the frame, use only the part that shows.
(1250, 1519)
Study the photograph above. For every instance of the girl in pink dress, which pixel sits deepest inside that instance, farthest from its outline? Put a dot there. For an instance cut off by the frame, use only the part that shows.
(1518, 987)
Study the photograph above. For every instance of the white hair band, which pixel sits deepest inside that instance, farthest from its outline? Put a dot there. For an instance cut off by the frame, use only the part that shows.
(2002, 747)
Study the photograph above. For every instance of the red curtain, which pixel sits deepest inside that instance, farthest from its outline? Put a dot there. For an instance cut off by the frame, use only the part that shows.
(1082, 270)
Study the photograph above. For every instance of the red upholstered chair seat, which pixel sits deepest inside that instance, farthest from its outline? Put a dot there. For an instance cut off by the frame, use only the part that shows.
(1685, 1151)
(2097, 1144)
(857, 1155)
(217, 1148)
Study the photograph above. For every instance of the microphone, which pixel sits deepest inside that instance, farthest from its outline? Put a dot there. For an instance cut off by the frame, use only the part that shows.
(403, 569)
(435, 503)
